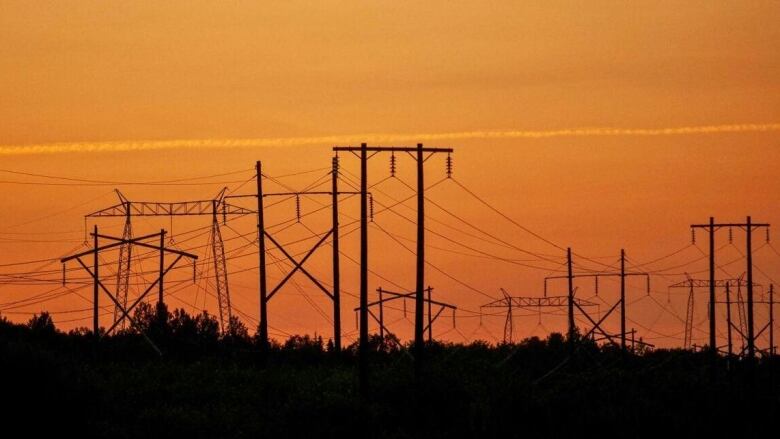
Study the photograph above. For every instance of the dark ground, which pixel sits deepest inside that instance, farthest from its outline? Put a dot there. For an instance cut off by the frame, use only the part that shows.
(208, 386)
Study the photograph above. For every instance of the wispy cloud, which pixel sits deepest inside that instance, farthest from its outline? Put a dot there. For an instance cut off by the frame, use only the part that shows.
(373, 138)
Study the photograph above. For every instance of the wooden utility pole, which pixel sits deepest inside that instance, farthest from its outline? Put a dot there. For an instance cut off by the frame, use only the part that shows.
(381, 314)
(623, 301)
(420, 292)
(771, 319)
(713, 343)
(751, 335)
(363, 343)
(419, 342)
(265, 294)
(749, 226)
(336, 257)
(571, 297)
(161, 317)
(96, 283)
(263, 279)
(623, 274)
(728, 320)
(430, 316)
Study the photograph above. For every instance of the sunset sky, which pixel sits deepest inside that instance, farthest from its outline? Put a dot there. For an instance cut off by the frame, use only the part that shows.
(142, 91)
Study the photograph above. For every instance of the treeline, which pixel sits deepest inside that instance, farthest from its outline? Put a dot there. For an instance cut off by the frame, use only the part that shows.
(179, 334)
(208, 384)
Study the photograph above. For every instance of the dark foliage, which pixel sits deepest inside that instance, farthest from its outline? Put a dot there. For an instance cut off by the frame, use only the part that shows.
(209, 384)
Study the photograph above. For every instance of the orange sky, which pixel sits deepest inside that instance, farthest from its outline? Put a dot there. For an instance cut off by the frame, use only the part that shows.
(145, 71)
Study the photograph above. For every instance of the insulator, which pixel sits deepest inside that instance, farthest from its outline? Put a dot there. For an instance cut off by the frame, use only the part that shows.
(767, 234)
(449, 165)
(194, 272)
(371, 206)
(453, 317)
(63, 274)
(693, 236)
(648, 285)
(404, 308)
(731, 235)
(224, 213)
(392, 164)
(298, 207)
(336, 164)
(597, 285)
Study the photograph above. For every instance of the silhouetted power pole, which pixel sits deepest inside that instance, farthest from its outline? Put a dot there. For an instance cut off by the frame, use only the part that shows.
(263, 283)
(98, 285)
(770, 322)
(570, 276)
(213, 207)
(771, 319)
(749, 226)
(419, 153)
(298, 266)
(386, 296)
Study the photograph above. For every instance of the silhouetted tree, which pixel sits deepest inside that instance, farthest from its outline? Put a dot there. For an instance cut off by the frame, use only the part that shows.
(304, 343)
(330, 346)
(42, 324)
(144, 315)
(207, 327)
(183, 327)
(236, 332)
(81, 331)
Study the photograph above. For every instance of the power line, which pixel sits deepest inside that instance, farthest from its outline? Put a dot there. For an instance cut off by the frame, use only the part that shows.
(89, 182)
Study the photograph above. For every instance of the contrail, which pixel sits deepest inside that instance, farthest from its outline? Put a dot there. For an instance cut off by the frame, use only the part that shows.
(373, 138)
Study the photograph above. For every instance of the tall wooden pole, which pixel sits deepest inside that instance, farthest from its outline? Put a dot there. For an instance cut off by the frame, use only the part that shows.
(713, 342)
(363, 343)
(95, 308)
(571, 297)
(430, 317)
(263, 330)
(420, 287)
(381, 315)
(623, 300)
(751, 336)
(728, 319)
(336, 257)
(160, 291)
(771, 319)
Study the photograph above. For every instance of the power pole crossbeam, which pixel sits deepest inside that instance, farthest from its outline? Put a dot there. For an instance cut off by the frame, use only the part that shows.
(442, 306)
(601, 320)
(299, 265)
